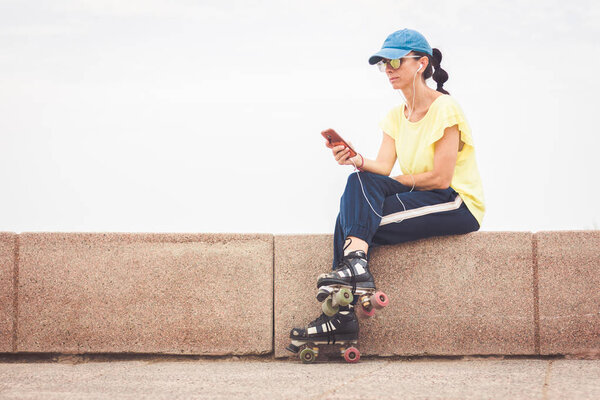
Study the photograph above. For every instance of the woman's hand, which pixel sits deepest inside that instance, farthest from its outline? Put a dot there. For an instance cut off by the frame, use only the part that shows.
(341, 154)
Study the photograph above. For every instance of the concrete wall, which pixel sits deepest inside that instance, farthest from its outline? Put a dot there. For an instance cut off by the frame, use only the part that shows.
(158, 293)
(568, 266)
(8, 265)
(468, 294)
(480, 293)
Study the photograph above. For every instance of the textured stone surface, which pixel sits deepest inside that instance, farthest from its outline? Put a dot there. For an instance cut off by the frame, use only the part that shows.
(299, 259)
(468, 294)
(7, 295)
(516, 379)
(569, 291)
(158, 293)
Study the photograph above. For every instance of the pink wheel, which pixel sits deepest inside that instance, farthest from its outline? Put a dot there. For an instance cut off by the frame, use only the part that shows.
(352, 355)
(379, 300)
(362, 312)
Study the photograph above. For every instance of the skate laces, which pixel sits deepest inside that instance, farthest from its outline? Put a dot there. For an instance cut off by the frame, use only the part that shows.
(348, 245)
(345, 262)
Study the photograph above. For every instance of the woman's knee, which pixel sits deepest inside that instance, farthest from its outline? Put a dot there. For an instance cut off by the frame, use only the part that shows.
(352, 183)
(353, 178)
(356, 179)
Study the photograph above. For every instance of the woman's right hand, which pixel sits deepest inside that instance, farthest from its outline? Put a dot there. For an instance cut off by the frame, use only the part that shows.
(341, 154)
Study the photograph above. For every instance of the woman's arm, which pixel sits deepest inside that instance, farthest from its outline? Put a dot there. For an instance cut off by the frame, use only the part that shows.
(444, 161)
(385, 160)
(382, 165)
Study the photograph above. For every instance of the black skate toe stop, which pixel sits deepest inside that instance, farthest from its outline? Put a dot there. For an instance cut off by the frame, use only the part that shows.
(293, 348)
(321, 296)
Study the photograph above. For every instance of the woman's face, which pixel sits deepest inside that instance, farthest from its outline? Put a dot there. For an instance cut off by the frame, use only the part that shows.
(404, 74)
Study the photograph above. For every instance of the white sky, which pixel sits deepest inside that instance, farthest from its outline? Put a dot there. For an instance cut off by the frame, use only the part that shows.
(205, 116)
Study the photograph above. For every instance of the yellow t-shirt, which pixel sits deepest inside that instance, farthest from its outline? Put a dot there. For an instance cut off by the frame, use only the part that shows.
(415, 147)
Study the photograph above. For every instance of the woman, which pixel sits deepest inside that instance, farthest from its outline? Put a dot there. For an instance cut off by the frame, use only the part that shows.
(439, 193)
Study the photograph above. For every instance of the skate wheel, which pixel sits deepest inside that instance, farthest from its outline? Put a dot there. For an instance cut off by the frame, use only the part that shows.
(379, 300)
(362, 312)
(352, 355)
(328, 308)
(344, 297)
(307, 356)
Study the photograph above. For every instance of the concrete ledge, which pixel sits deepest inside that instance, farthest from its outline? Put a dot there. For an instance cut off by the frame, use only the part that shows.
(145, 293)
(469, 294)
(212, 294)
(569, 291)
(8, 265)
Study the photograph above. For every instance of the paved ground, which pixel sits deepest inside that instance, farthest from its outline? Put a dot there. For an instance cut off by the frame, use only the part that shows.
(226, 378)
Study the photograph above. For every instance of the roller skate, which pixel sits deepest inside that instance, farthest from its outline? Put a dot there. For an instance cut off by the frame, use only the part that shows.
(339, 331)
(350, 283)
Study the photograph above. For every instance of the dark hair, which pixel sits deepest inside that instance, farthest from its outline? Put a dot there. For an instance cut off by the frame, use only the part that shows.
(439, 75)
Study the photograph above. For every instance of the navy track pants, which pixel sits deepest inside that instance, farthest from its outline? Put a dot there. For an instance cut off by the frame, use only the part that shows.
(438, 212)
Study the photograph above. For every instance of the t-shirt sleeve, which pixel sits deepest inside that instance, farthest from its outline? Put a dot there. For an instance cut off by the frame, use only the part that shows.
(390, 124)
(450, 114)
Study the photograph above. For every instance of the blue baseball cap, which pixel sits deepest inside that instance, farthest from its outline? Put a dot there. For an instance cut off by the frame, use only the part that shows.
(399, 44)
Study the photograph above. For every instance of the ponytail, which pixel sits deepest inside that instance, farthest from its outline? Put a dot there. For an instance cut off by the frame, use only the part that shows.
(439, 75)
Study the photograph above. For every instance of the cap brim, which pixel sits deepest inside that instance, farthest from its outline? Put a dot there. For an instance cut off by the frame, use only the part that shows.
(388, 53)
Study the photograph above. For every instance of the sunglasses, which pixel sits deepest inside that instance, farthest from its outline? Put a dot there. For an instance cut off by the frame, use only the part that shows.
(395, 63)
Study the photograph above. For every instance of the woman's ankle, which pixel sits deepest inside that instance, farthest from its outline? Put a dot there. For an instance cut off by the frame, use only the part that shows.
(353, 244)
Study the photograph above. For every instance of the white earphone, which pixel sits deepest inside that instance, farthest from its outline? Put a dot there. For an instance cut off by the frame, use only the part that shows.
(420, 66)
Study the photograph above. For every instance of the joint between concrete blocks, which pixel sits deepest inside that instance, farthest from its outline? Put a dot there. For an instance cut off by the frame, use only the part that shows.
(15, 292)
(273, 299)
(536, 297)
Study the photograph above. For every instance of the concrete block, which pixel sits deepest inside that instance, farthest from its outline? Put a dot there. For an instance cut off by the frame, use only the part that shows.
(467, 294)
(145, 293)
(455, 295)
(8, 253)
(299, 259)
(569, 291)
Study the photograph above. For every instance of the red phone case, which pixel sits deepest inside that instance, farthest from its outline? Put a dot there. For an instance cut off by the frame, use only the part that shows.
(336, 140)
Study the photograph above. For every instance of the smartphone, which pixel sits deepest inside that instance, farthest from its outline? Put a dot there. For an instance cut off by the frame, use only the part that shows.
(336, 140)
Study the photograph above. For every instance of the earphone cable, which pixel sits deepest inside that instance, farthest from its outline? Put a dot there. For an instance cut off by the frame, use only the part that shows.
(367, 199)
(357, 171)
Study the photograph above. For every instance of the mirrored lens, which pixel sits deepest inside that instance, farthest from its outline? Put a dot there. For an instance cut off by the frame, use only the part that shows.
(395, 64)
